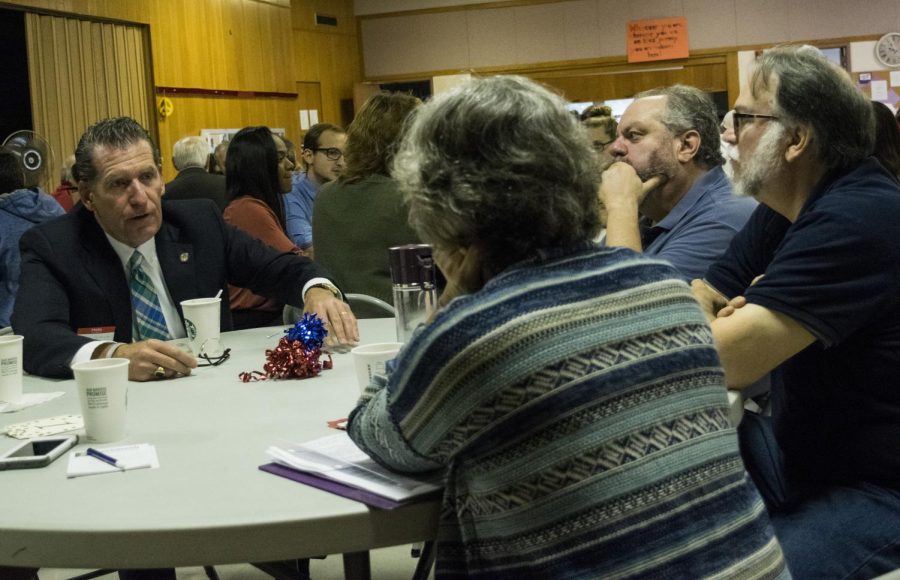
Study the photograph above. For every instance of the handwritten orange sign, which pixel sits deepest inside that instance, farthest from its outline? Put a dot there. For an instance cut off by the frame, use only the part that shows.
(657, 39)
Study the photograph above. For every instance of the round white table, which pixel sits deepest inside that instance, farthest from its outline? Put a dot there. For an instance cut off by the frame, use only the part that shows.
(208, 503)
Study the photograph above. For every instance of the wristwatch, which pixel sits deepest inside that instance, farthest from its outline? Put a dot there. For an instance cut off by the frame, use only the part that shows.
(330, 287)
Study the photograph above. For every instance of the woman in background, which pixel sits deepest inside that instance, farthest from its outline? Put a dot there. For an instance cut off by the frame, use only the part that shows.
(258, 171)
(360, 215)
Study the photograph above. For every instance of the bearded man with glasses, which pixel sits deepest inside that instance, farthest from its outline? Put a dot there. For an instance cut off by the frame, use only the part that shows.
(808, 292)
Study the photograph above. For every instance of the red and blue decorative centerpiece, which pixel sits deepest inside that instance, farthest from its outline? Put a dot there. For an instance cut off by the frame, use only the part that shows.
(297, 354)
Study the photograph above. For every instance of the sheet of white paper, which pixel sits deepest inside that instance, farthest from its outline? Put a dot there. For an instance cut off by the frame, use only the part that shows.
(304, 119)
(895, 78)
(28, 400)
(313, 117)
(336, 457)
(137, 456)
(879, 90)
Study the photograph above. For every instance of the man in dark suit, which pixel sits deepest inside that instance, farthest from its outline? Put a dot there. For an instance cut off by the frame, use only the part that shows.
(77, 271)
(189, 156)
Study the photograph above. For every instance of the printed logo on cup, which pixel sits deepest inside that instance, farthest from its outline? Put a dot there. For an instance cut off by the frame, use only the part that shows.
(191, 329)
(97, 398)
(9, 366)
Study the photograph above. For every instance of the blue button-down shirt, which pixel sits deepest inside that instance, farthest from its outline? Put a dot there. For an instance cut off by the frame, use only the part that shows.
(699, 228)
(298, 210)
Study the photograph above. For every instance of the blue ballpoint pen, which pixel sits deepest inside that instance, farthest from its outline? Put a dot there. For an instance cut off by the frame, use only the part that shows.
(104, 458)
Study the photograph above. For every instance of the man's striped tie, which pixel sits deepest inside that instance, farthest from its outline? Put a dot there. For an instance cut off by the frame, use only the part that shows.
(149, 321)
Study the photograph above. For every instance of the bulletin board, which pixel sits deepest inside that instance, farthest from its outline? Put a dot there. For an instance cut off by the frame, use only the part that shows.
(881, 85)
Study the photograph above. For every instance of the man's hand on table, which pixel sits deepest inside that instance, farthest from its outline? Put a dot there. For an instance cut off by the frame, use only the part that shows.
(149, 356)
(336, 314)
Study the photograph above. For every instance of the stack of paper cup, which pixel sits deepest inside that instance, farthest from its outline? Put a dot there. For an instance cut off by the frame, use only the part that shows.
(10, 368)
(202, 324)
(103, 393)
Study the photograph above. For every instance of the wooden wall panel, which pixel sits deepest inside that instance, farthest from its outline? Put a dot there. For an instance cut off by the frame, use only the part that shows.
(567, 30)
(327, 55)
(231, 45)
(195, 113)
(309, 97)
(590, 86)
(199, 43)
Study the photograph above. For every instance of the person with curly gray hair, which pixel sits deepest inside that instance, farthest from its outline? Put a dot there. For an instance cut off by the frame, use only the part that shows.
(670, 197)
(572, 392)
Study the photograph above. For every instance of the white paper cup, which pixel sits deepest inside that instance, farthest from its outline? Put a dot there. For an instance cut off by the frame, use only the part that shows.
(10, 368)
(103, 393)
(201, 323)
(369, 360)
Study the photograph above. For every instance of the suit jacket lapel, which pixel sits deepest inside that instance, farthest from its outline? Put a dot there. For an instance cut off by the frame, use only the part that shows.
(102, 264)
(177, 261)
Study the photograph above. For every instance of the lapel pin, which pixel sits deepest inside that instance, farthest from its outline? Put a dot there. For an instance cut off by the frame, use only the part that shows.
(184, 257)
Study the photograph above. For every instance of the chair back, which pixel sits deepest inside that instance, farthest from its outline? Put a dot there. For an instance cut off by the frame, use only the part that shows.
(363, 306)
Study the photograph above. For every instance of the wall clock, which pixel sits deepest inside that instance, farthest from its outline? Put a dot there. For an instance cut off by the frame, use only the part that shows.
(887, 50)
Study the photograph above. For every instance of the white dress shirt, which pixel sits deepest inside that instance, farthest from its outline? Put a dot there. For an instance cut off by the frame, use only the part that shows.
(154, 271)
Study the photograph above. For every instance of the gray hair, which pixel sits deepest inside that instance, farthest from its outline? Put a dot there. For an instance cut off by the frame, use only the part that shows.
(810, 90)
(118, 133)
(65, 172)
(500, 162)
(687, 109)
(190, 152)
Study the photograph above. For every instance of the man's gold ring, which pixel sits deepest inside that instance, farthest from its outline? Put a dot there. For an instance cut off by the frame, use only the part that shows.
(159, 373)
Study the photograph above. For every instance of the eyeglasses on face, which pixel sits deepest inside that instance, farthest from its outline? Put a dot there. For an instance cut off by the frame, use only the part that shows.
(332, 153)
(739, 119)
(600, 146)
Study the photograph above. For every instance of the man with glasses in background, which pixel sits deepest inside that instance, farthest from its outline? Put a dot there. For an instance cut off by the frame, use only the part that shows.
(670, 198)
(808, 291)
(323, 156)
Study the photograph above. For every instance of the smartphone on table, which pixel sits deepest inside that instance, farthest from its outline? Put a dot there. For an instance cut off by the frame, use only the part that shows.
(38, 452)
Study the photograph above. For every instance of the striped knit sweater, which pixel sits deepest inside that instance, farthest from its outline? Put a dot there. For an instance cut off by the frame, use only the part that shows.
(579, 406)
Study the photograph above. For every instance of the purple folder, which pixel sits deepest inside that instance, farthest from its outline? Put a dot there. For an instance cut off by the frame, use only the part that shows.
(341, 489)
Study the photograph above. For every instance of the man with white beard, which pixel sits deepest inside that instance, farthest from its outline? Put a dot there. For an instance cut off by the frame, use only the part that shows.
(808, 291)
(670, 197)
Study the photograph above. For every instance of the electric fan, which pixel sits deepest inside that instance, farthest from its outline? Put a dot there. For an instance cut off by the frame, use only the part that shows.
(34, 155)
